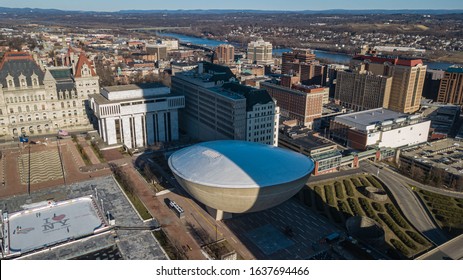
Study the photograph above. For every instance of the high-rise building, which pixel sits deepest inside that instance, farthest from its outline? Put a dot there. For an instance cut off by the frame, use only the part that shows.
(432, 83)
(260, 52)
(302, 63)
(451, 86)
(303, 106)
(407, 79)
(218, 108)
(159, 50)
(225, 54)
(170, 44)
(362, 91)
(137, 115)
(295, 56)
(36, 102)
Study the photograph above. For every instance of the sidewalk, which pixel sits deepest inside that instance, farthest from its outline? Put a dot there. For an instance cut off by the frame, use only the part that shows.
(170, 223)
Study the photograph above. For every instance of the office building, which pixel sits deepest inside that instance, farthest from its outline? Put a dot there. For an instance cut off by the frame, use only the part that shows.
(451, 86)
(225, 54)
(159, 50)
(432, 82)
(137, 115)
(407, 79)
(260, 52)
(304, 106)
(218, 108)
(302, 63)
(170, 44)
(36, 102)
(362, 91)
(379, 128)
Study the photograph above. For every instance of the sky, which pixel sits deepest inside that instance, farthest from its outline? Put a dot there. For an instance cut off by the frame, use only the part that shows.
(116, 5)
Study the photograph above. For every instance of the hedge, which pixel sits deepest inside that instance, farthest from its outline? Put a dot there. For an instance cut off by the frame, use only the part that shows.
(349, 187)
(400, 247)
(392, 211)
(329, 195)
(338, 187)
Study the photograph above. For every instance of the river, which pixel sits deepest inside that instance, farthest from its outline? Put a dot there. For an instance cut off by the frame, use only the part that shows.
(332, 57)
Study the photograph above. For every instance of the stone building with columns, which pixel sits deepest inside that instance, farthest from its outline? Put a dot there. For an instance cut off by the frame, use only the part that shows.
(137, 115)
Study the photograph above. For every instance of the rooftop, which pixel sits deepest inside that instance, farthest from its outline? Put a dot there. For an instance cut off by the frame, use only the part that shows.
(395, 61)
(446, 154)
(133, 87)
(239, 164)
(52, 223)
(133, 244)
(370, 117)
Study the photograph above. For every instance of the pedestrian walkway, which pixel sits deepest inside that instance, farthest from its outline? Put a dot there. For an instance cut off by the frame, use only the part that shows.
(170, 223)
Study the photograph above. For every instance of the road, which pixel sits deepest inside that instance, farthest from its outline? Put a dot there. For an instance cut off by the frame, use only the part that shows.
(453, 249)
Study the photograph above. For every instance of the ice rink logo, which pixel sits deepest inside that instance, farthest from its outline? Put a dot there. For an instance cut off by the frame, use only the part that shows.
(57, 221)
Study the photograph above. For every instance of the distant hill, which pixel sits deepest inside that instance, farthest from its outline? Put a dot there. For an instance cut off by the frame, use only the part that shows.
(328, 12)
(219, 11)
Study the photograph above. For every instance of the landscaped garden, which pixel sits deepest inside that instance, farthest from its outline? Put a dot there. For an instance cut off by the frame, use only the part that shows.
(447, 211)
(364, 195)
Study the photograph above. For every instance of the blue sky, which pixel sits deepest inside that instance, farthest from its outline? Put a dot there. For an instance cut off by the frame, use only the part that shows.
(115, 5)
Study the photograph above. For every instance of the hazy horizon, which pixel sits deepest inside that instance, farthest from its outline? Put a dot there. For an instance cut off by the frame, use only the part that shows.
(270, 5)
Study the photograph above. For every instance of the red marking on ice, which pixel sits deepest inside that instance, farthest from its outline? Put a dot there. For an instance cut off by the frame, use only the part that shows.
(58, 218)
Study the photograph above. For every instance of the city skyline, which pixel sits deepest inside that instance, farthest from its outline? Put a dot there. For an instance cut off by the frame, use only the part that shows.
(110, 6)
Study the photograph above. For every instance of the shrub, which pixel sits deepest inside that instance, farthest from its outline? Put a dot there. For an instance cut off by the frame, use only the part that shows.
(344, 208)
(365, 182)
(375, 182)
(416, 237)
(367, 208)
(392, 211)
(354, 207)
(349, 187)
(338, 187)
(356, 182)
(329, 195)
(400, 247)
(377, 206)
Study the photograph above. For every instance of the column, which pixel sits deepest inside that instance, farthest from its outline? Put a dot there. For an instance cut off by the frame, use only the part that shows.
(138, 130)
(150, 129)
(161, 127)
(125, 122)
(111, 131)
(174, 124)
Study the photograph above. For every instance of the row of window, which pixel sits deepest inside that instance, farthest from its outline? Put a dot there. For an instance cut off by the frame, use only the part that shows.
(23, 83)
(25, 98)
(44, 116)
(20, 110)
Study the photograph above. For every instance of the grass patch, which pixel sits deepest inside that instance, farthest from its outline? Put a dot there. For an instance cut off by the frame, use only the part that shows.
(83, 154)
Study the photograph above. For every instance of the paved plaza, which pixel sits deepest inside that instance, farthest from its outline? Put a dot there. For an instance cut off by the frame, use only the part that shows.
(263, 233)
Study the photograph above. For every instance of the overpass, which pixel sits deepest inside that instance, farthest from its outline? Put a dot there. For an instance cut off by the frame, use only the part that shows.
(450, 250)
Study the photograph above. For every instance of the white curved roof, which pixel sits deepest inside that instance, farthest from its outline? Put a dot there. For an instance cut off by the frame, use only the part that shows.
(239, 164)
